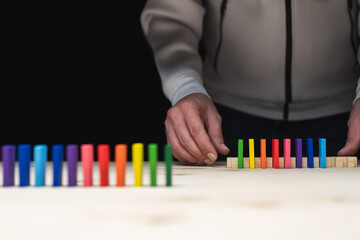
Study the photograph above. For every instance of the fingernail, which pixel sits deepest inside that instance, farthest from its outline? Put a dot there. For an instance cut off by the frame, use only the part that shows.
(208, 162)
(224, 146)
(212, 157)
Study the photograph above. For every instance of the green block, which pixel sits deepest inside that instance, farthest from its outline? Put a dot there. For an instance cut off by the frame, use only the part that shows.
(240, 153)
(153, 159)
(168, 162)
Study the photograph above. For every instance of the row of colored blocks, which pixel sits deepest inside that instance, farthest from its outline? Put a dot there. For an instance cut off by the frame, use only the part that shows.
(287, 153)
(40, 157)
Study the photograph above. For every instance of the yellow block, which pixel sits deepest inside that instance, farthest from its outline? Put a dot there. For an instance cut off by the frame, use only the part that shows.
(251, 153)
(138, 159)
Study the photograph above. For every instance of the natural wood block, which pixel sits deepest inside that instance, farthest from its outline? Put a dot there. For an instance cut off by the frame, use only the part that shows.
(257, 162)
(228, 162)
(269, 162)
(340, 162)
(246, 163)
(234, 163)
(316, 162)
(292, 162)
(281, 162)
(304, 162)
(329, 162)
(351, 162)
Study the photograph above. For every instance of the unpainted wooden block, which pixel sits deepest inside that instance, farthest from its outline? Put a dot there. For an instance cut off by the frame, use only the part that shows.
(350, 162)
(257, 162)
(281, 162)
(246, 163)
(269, 162)
(304, 162)
(340, 162)
(292, 162)
(330, 161)
(316, 162)
(228, 162)
(234, 163)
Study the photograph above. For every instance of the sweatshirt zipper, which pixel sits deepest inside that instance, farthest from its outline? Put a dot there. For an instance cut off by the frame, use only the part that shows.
(222, 15)
(288, 60)
(350, 11)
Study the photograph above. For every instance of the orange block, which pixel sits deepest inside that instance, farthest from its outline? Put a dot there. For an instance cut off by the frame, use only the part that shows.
(120, 161)
(263, 153)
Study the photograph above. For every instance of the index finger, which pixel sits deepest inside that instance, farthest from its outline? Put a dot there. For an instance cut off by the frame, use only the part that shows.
(197, 130)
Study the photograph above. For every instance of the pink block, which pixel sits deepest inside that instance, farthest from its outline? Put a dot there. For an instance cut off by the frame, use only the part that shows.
(87, 160)
(287, 153)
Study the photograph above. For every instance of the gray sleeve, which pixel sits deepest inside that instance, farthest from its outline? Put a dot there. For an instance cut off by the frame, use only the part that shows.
(173, 29)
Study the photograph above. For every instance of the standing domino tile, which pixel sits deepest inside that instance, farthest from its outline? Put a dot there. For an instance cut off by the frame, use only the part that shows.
(322, 152)
(310, 152)
(251, 153)
(40, 159)
(298, 152)
(275, 153)
(57, 160)
(153, 158)
(120, 160)
(287, 153)
(168, 161)
(240, 153)
(104, 159)
(8, 156)
(138, 158)
(72, 154)
(263, 152)
(24, 158)
(87, 161)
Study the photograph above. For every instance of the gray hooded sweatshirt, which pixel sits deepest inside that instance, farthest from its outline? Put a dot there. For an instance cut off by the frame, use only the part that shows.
(278, 59)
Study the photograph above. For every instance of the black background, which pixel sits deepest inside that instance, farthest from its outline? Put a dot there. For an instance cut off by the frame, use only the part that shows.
(78, 72)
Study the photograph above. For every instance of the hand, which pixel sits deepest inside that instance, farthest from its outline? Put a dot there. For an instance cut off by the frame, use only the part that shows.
(353, 139)
(193, 128)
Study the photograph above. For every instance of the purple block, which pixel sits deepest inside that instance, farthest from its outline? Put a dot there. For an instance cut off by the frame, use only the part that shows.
(298, 152)
(72, 154)
(8, 157)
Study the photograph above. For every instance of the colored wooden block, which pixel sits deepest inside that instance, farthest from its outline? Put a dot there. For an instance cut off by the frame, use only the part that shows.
(269, 162)
(310, 152)
(57, 154)
(251, 153)
(322, 152)
(298, 152)
(72, 153)
(8, 157)
(316, 162)
(24, 158)
(120, 161)
(275, 153)
(87, 161)
(263, 153)
(138, 159)
(281, 162)
(168, 164)
(40, 159)
(103, 153)
(287, 153)
(240, 153)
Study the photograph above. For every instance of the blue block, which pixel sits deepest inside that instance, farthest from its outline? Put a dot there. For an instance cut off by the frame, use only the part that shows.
(310, 152)
(322, 152)
(40, 159)
(24, 158)
(57, 159)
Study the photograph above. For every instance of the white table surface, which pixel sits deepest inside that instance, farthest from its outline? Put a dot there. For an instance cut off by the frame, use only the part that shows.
(204, 203)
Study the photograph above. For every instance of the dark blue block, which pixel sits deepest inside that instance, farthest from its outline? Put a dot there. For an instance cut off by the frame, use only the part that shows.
(310, 152)
(24, 158)
(57, 159)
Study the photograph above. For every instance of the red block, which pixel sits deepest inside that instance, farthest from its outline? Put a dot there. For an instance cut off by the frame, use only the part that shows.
(103, 153)
(275, 153)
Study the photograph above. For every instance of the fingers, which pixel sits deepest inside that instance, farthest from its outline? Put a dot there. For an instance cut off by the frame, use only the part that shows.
(197, 131)
(179, 151)
(352, 144)
(213, 125)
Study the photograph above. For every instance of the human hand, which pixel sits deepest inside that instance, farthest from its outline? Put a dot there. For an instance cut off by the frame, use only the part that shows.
(352, 144)
(193, 128)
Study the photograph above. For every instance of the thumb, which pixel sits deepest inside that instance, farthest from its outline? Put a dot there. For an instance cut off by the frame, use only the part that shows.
(352, 144)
